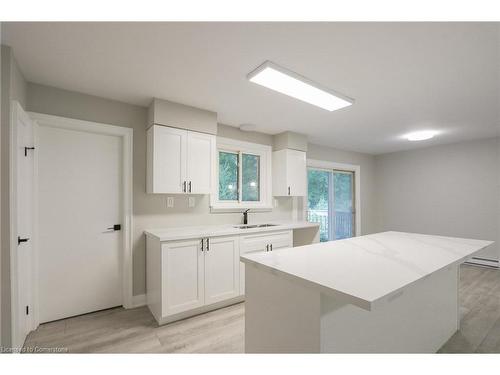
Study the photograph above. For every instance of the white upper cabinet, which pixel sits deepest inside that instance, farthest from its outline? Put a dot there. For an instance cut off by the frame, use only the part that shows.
(289, 173)
(200, 162)
(179, 161)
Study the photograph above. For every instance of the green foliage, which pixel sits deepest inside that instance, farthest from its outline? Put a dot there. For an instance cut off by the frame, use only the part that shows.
(250, 177)
(342, 184)
(228, 176)
(318, 189)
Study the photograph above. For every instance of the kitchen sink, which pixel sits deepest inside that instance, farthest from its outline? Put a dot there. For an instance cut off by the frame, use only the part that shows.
(250, 226)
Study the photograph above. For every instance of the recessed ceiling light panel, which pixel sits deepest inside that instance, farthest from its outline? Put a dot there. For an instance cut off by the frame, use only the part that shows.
(292, 84)
(421, 135)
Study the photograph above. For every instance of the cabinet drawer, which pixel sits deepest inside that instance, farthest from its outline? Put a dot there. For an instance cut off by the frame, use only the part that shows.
(254, 243)
(258, 242)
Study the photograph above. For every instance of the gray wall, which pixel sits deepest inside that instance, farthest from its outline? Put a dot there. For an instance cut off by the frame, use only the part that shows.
(450, 190)
(13, 87)
(149, 210)
(367, 173)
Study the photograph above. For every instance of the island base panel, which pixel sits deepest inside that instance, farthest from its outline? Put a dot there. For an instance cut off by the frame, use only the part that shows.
(282, 316)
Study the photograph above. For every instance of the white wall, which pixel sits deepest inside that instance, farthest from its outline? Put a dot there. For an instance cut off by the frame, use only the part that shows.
(451, 190)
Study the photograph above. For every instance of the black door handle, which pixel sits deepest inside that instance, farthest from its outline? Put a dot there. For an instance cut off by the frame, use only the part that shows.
(20, 240)
(115, 227)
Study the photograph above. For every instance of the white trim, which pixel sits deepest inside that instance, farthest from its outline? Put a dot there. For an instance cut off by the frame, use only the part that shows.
(265, 153)
(138, 300)
(127, 157)
(323, 164)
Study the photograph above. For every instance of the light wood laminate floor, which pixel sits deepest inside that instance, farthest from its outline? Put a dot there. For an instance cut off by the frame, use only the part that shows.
(222, 331)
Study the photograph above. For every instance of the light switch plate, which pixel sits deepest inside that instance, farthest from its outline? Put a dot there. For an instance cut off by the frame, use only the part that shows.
(191, 202)
(170, 202)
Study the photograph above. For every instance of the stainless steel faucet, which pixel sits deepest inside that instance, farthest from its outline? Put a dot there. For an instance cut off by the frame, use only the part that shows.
(245, 216)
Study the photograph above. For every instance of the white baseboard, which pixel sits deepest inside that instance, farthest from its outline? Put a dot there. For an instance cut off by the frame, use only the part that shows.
(493, 263)
(138, 300)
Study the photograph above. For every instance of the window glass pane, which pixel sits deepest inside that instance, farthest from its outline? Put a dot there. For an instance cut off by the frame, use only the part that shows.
(343, 204)
(228, 176)
(250, 177)
(317, 200)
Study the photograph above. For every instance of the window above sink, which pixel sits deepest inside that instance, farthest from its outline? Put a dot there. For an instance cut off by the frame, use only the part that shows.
(243, 175)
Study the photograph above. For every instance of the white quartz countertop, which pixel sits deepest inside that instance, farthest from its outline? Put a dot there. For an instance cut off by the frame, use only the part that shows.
(370, 269)
(181, 233)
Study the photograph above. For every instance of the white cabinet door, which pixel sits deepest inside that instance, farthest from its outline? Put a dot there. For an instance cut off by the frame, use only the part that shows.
(221, 269)
(182, 276)
(166, 159)
(296, 173)
(262, 242)
(200, 162)
(289, 173)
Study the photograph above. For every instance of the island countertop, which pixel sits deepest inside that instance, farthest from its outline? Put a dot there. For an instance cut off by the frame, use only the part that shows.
(367, 270)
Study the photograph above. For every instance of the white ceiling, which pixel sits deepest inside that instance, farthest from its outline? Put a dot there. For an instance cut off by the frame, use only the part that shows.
(403, 76)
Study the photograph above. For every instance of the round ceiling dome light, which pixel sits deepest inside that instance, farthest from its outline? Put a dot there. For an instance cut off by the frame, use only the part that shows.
(421, 135)
(248, 127)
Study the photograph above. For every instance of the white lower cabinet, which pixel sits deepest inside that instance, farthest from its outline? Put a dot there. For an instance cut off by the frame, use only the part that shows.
(183, 273)
(262, 242)
(188, 277)
(222, 275)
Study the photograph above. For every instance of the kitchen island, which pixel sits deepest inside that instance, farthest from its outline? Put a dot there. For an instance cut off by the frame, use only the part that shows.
(385, 292)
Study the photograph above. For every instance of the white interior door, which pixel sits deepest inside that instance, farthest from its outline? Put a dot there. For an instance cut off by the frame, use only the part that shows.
(25, 211)
(80, 194)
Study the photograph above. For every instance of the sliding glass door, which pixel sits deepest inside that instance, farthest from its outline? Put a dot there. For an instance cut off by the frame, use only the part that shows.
(331, 202)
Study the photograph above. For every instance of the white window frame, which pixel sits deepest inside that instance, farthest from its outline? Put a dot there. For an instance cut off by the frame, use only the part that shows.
(265, 182)
(329, 165)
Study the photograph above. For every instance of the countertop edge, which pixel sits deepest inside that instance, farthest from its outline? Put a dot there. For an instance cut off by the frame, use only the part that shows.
(225, 230)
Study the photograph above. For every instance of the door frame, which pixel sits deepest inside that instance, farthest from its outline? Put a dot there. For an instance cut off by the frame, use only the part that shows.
(15, 112)
(356, 169)
(126, 135)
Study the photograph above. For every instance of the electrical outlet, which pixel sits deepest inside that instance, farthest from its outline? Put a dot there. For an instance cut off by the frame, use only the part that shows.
(191, 202)
(170, 202)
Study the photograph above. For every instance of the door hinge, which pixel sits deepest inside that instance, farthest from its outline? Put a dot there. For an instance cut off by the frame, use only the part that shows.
(27, 310)
(26, 150)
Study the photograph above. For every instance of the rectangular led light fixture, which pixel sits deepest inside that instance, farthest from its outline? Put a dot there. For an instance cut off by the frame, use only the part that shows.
(292, 84)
